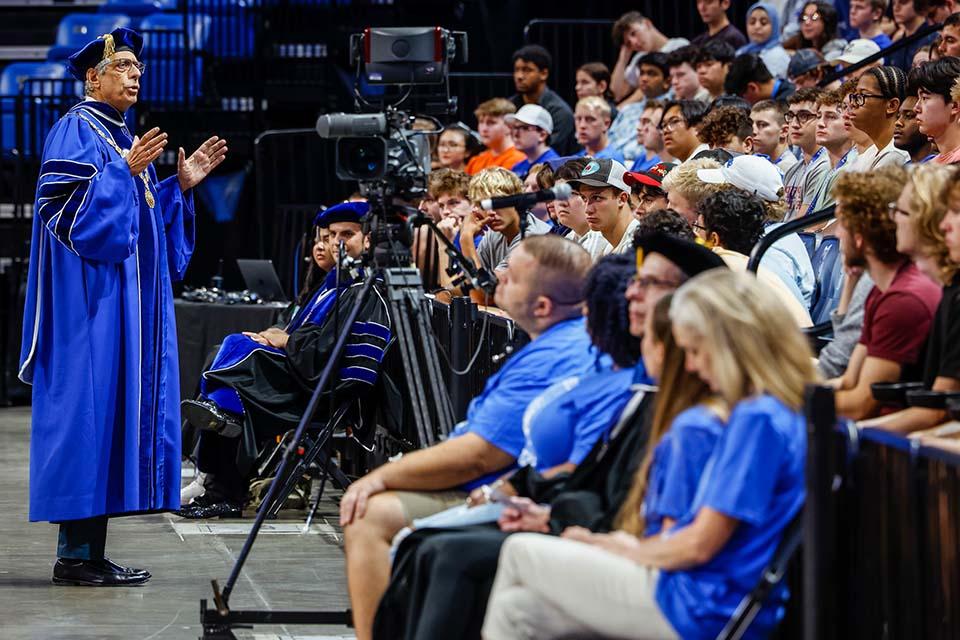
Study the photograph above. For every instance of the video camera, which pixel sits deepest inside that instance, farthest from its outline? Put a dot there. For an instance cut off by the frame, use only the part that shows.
(383, 150)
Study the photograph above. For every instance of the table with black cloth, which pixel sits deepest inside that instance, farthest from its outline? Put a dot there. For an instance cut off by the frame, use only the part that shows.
(203, 325)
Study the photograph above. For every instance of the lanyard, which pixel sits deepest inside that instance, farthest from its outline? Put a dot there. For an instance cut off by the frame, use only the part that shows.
(147, 194)
(826, 183)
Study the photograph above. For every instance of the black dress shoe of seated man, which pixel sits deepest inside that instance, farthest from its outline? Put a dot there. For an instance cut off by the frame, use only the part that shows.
(207, 507)
(95, 573)
(207, 416)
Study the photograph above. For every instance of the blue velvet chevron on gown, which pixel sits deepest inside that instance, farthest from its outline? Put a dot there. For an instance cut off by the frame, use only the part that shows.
(99, 336)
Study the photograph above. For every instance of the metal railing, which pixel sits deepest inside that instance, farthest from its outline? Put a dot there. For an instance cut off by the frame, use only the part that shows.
(882, 533)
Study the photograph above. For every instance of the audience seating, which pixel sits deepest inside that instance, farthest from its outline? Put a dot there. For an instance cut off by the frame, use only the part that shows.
(49, 86)
(172, 53)
(828, 268)
(138, 9)
(233, 26)
(77, 29)
(773, 575)
(809, 241)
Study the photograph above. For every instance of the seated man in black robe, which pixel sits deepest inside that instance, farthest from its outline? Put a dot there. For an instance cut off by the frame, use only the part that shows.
(260, 383)
(442, 577)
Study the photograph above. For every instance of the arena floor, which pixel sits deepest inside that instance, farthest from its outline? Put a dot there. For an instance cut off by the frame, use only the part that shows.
(288, 569)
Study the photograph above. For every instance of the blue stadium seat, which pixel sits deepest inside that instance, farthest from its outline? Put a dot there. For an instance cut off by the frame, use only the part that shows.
(232, 33)
(45, 83)
(809, 241)
(828, 268)
(138, 9)
(168, 56)
(77, 29)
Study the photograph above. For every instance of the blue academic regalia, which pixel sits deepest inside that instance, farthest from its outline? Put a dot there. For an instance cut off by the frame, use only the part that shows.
(99, 336)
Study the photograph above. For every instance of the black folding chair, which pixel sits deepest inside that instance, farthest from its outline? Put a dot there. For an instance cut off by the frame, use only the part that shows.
(773, 575)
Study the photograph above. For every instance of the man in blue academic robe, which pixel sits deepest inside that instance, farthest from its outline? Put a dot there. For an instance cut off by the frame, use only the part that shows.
(99, 339)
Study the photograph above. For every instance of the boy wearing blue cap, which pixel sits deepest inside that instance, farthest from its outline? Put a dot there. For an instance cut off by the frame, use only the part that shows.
(99, 339)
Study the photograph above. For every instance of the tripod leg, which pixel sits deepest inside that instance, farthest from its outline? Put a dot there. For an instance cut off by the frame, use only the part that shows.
(325, 378)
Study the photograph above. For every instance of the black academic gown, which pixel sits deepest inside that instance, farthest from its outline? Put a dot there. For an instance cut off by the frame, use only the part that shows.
(442, 577)
(275, 385)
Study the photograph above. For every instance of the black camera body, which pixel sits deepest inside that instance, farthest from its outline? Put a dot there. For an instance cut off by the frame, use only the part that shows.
(382, 150)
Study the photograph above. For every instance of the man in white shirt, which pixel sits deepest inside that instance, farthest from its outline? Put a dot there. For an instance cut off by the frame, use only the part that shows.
(875, 107)
(602, 184)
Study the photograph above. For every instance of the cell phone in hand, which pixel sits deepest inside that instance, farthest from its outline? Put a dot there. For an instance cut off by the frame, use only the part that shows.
(495, 495)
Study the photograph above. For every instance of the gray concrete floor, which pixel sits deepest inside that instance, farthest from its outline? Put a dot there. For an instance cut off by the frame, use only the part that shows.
(294, 571)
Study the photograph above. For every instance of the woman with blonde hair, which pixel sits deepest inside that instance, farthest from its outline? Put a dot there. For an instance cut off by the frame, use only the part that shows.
(918, 213)
(687, 420)
(738, 338)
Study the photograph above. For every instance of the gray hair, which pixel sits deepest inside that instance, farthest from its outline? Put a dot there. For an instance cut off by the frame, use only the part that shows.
(101, 68)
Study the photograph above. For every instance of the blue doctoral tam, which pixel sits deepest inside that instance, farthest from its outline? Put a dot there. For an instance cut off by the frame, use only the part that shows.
(103, 48)
(342, 212)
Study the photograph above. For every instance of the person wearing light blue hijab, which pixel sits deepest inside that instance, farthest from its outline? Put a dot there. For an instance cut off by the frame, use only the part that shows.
(763, 31)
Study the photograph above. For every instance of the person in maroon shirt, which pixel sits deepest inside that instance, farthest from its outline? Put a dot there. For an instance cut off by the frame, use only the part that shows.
(899, 310)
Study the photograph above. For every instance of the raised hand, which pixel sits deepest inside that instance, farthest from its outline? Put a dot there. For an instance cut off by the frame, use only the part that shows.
(191, 171)
(145, 150)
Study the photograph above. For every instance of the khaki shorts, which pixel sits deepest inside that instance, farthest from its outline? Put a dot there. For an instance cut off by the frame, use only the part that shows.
(420, 504)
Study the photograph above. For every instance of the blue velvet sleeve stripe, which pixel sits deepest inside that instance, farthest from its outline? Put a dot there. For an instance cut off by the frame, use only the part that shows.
(62, 190)
(371, 329)
(364, 350)
(358, 374)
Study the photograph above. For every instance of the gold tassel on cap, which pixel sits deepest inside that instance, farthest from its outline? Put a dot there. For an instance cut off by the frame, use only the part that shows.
(639, 258)
(109, 48)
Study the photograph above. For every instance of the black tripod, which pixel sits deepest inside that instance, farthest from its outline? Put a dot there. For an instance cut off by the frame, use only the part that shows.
(429, 401)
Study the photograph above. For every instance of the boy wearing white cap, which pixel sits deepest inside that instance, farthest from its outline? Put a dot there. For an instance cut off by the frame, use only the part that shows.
(602, 184)
(530, 128)
(787, 258)
(856, 51)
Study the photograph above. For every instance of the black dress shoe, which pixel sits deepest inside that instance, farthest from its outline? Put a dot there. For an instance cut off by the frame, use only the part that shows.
(113, 566)
(206, 506)
(93, 573)
(207, 416)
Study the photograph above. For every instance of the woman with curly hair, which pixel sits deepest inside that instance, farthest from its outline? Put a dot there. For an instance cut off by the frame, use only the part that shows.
(727, 128)
(818, 30)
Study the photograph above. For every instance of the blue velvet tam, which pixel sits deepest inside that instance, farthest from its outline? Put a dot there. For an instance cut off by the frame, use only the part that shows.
(343, 212)
(102, 49)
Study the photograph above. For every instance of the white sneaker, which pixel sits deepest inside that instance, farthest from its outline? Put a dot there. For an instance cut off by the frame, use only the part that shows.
(193, 490)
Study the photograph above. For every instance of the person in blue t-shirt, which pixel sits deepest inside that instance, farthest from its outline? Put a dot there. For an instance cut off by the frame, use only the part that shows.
(541, 289)
(686, 423)
(562, 424)
(530, 128)
(687, 581)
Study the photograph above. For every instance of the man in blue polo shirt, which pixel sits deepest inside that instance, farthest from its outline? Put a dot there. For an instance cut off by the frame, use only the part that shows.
(541, 289)
(530, 128)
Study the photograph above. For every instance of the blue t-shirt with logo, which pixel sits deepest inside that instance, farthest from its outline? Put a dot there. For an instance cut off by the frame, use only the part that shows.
(756, 476)
(522, 168)
(609, 151)
(564, 422)
(678, 462)
(496, 415)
